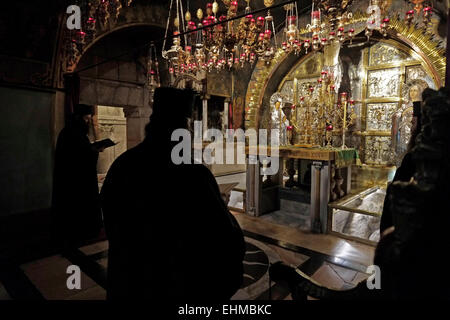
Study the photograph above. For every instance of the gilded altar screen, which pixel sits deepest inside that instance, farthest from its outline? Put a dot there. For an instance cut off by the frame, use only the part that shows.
(383, 79)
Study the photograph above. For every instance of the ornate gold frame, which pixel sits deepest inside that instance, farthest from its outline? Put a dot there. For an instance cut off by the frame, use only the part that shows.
(432, 58)
(403, 65)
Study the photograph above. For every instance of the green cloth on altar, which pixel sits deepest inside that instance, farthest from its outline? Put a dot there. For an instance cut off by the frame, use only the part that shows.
(347, 157)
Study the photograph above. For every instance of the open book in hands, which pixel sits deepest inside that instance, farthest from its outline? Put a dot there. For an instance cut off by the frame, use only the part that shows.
(103, 144)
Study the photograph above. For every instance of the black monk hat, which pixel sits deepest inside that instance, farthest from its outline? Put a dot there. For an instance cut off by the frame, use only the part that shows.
(83, 109)
(173, 103)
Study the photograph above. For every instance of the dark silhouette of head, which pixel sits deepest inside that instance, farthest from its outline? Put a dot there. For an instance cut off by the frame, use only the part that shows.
(81, 116)
(83, 109)
(171, 109)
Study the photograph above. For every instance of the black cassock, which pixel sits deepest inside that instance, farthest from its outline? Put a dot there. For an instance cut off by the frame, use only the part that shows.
(171, 236)
(76, 203)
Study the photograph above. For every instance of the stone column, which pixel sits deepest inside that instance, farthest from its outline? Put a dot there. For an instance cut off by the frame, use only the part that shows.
(316, 169)
(324, 194)
(226, 107)
(348, 180)
(253, 190)
(205, 114)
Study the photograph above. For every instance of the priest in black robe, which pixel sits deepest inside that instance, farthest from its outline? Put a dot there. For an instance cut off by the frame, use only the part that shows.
(76, 202)
(171, 236)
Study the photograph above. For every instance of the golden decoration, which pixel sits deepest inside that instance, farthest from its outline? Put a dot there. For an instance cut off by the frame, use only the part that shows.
(215, 7)
(256, 88)
(357, 17)
(425, 43)
(199, 14)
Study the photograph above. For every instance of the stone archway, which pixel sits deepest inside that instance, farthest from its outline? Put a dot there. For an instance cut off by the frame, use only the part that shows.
(266, 78)
(121, 81)
(138, 14)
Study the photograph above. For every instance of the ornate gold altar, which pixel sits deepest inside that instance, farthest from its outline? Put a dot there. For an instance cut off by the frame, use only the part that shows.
(355, 98)
(329, 170)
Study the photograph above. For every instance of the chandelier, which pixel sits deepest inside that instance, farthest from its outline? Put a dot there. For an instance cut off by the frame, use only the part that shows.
(291, 42)
(98, 12)
(421, 7)
(376, 10)
(218, 42)
(328, 18)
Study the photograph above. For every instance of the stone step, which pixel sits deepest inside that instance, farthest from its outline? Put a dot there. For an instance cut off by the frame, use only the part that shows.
(299, 195)
(295, 207)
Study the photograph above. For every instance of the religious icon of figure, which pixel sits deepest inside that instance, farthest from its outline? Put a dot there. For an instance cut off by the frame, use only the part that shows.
(402, 120)
(277, 117)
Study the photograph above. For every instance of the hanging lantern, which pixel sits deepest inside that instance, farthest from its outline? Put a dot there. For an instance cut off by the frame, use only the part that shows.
(341, 34)
(291, 29)
(306, 44)
(351, 34)
(409, 17)
(209, 9)
(427, 12)
(319, 82)
(316, 43)
(234, 7)
(332, 36)
(383, 27)
(260, 22)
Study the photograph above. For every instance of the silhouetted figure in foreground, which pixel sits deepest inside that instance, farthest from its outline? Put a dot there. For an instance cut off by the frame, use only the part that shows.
(171, 236)
(420, 219)
(407, 167)
(76, 202)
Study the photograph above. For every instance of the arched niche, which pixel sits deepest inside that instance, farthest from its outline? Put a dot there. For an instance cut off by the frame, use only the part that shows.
(108, 77)
(379, 77)
(413, 55)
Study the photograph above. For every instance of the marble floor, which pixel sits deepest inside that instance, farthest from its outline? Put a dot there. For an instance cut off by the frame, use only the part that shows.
(326, 244)
(332, 261)
(286, 218)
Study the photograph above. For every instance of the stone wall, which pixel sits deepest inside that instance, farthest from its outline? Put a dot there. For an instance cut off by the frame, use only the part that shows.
(26, 156)
(112, 124)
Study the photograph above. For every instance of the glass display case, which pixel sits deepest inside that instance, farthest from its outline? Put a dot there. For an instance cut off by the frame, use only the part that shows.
(357, 217)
